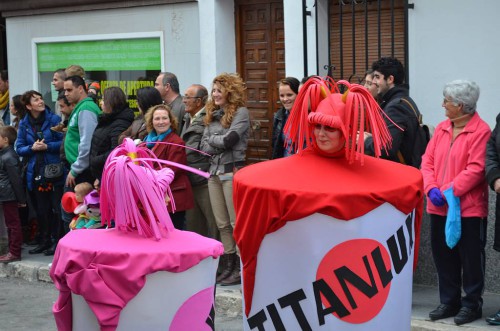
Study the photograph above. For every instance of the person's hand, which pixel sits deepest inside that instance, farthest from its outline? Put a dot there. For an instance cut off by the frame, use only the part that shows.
(70, 180)
(496, 185)
(21, 205)
(97, 185)
(39, 146)
(167, 199)
(436, 197)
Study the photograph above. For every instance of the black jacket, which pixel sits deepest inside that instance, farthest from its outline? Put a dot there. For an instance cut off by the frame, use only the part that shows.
(105, 137)
(404, 117)
(493, 173)
(11, 184)
(279, 122)
(493, 155)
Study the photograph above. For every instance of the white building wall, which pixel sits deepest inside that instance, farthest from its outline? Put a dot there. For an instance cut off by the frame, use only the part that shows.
(179, 23)
(294, 37)
(294, 41)
(448, 39)
(323, 37)
(217, 39)
(312, 45)
(454, 39)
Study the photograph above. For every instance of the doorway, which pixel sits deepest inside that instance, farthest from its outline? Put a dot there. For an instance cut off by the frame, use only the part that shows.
(260, 48)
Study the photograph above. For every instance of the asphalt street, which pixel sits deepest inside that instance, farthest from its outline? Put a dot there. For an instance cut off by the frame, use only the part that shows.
(27, 306)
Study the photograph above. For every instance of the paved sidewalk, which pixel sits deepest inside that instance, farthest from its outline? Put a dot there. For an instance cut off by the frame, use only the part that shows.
(228, 299)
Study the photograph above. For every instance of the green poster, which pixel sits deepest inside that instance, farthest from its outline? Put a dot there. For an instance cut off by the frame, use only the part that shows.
(101, 55)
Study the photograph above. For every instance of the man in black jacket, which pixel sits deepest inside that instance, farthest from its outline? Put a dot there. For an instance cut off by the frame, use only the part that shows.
(393, 94)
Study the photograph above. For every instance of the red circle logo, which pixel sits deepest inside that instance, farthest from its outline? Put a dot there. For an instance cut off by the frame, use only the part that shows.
(358, 273)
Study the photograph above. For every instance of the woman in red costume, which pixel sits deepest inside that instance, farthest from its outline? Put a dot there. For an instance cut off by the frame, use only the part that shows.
(327, 129)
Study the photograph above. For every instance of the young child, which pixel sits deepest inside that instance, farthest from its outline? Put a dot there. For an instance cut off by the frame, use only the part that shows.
(12, 193)
(81, 190)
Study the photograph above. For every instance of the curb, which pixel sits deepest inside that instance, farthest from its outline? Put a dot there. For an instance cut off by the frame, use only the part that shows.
(227, 299)
(420, 325)
(30, 271)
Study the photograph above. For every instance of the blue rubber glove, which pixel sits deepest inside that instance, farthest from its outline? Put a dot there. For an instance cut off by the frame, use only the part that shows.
(453, 227)
(436, 197)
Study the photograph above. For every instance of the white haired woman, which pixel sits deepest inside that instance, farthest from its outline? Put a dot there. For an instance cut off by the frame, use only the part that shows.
(455, 158)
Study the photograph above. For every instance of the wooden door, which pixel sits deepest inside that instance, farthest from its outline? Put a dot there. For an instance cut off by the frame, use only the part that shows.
(261, 63)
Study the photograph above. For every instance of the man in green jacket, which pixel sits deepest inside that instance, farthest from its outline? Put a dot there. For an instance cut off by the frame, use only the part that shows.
(81, 125)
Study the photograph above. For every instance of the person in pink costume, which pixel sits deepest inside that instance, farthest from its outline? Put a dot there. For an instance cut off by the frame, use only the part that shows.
(108, 267)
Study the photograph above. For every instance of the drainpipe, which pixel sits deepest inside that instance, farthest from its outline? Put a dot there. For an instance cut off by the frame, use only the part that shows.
(305, 13)
(407, 7)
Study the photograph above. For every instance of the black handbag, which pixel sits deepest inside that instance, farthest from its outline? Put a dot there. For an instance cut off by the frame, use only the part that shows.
(53, 172)
(24, 168)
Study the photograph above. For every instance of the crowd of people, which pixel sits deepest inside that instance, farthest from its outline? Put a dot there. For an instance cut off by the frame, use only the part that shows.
(460, 161)
(46, 153)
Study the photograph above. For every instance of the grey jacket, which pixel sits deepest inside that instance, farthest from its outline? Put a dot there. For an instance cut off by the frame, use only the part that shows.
(11, 185)
(178, 109)
(227, 145)
(192, 137)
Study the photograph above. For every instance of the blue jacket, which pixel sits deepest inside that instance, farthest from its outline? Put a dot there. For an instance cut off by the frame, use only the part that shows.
(26, 137)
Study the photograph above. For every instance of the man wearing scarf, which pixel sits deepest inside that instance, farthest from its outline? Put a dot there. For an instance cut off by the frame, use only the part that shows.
(4, 97)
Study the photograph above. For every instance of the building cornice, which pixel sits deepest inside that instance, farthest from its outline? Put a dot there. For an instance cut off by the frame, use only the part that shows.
(13, 8)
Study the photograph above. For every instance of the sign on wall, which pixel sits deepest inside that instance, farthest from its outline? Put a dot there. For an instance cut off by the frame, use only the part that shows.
(129, 63)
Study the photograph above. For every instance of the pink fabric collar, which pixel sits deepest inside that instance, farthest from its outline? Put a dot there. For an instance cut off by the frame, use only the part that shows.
(109, 267)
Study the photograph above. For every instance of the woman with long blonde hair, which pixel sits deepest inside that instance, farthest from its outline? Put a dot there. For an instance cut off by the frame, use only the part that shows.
(226, 138)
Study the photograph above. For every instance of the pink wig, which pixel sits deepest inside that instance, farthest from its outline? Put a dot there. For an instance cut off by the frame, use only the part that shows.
(133, 193)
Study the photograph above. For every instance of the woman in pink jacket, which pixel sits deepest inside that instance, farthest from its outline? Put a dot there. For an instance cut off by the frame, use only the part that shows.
(455, 157)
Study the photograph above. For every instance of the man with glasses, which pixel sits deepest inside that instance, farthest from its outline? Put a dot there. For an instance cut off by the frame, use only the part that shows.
(404, 123)
(201, 218)
(168, 86)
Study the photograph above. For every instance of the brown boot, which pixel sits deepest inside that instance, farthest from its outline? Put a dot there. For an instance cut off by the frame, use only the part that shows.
(235, 276)
(220, 267)
(227, 267)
